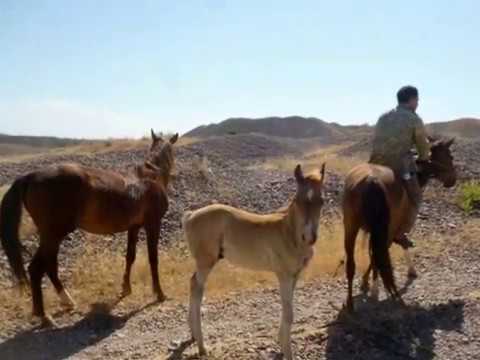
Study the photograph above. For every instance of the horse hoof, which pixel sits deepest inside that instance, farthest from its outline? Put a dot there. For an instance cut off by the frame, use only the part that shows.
(66, 301)
(69, 306)
(161, 298)
(126, 290)
(349, 307)
(364, 288)
(412, 274)
(48, 323)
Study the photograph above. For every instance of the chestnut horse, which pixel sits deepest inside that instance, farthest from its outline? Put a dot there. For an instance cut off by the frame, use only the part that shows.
(281, 242)
(66, 197)
(375, 201)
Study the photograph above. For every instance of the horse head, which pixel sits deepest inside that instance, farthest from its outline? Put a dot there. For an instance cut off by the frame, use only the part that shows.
(308, 202)
(440, 164)
(160, 159)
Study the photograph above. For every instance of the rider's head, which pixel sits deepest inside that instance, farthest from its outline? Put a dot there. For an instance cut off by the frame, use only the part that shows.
(408, 96)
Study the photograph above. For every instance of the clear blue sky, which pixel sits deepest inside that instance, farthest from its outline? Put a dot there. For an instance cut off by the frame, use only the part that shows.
(116, 68)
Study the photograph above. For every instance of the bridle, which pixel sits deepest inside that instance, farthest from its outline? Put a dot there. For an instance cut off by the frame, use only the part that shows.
(436, 168)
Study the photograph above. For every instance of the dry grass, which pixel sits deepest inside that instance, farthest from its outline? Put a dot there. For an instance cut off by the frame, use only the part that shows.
(97, 276)
(3, 190)
(91, 147)
(313, 159)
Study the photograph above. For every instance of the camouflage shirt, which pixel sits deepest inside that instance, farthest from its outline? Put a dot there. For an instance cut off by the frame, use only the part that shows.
(396, 133)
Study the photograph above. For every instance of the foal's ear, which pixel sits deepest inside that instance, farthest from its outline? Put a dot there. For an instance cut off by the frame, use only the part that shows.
(299, 174)
(174, 139)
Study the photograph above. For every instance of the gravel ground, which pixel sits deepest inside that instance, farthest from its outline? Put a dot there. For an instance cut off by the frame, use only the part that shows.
(441, 320)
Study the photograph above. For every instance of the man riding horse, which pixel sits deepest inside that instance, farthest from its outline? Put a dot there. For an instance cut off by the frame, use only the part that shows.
(396, 133)
(383, 197)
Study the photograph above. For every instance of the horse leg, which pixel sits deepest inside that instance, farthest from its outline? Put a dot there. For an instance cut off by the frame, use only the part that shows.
(153, 232)
(130, 259)
(364, 287)
(412, 273)
(197, 287)
(36, 271)
(52, 272)
(375, 290)
(287, 287)
(350, 237)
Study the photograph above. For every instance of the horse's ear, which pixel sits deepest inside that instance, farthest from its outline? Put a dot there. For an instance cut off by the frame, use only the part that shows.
(299, 174)
(449, 142)
(174, 139)
(155, 138)
(322, 173)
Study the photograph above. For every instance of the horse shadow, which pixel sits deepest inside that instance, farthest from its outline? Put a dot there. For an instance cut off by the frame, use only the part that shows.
(390, 331)
(60, 343)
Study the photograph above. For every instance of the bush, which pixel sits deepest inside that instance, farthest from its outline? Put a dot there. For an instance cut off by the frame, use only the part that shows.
(470, 196)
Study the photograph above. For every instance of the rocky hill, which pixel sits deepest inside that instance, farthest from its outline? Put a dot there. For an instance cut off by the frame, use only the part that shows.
(291, 126)
(299, 127)
(19, 144)
(464, 128)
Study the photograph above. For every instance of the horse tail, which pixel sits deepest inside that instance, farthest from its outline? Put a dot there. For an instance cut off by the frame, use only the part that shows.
(10, 216)
(377, 216)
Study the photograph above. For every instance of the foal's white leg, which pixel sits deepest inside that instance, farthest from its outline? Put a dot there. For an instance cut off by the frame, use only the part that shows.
(412, 273)
(197, 286)
(287, 286)
(66, 300)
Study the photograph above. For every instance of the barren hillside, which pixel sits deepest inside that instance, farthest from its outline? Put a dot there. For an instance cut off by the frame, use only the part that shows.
(291, 127)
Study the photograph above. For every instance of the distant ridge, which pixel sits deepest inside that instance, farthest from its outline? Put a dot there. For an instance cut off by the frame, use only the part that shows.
(40, 141)
(20, 144)
(310, 127)
(291, 126)
(464, 128)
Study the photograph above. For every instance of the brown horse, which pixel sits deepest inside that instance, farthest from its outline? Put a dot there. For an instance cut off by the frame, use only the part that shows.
(375, 201)
(66, 197)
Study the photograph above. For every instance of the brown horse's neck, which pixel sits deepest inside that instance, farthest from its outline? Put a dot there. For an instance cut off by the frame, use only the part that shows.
(423, 178)
(162, 176)
(427, 172)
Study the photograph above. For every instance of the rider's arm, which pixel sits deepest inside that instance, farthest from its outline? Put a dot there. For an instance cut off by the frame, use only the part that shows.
(420, 139)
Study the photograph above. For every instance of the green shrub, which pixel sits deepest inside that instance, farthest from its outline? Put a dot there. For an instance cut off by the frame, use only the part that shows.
(470, 196)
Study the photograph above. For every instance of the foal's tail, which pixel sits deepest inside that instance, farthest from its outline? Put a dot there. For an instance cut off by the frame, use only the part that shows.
(10, 216)
(185, 217)
(377, 217)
